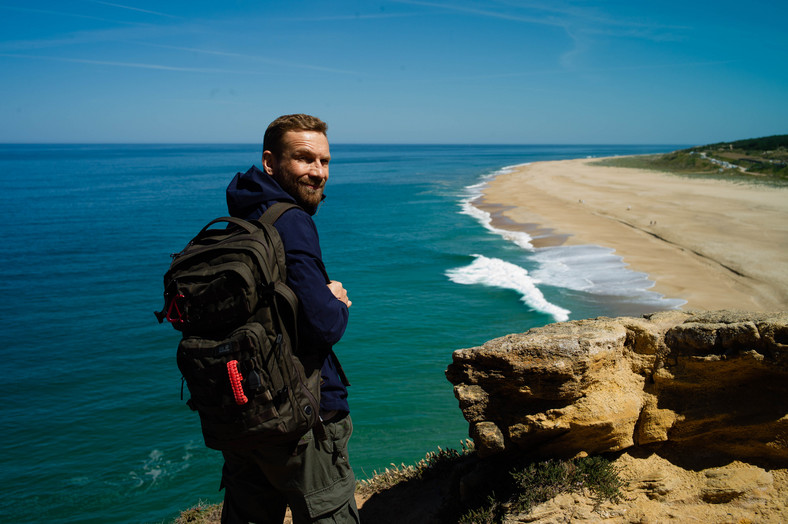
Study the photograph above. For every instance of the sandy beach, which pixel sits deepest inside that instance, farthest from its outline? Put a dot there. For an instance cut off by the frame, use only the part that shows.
(715, 244)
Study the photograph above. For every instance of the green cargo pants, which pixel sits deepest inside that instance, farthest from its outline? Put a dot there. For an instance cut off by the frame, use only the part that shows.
(314, 478)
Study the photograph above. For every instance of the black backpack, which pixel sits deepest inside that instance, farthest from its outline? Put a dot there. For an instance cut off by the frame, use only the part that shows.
(226, 292)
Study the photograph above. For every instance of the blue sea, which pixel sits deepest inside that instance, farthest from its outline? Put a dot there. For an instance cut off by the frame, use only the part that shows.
(93, 426)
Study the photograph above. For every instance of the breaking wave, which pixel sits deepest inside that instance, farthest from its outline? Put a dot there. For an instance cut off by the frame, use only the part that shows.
(498, 273)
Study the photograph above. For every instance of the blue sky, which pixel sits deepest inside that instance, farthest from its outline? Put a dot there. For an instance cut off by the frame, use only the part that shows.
(521, 72)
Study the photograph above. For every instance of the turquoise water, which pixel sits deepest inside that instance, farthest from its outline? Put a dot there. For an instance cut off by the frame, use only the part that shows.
(93, 427)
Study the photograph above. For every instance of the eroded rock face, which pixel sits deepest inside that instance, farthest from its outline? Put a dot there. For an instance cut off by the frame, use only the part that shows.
(657, 491)
(712, 382)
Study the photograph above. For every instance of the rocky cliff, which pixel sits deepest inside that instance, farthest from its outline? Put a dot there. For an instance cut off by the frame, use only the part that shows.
(701, 397)
(691, 408)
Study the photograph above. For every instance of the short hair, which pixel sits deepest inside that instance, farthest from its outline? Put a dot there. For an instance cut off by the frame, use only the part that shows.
(272, 140)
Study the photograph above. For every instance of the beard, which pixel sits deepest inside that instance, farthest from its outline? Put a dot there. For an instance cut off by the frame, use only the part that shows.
(304, 195)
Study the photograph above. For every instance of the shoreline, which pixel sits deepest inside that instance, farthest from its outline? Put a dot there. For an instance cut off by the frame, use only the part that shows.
(711, 243)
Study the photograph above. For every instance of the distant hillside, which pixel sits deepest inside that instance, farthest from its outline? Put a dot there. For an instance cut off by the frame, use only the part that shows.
(760, 160)
(765, 144)
(767, 155)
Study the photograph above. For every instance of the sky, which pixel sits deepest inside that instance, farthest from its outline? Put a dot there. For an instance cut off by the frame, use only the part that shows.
(396, 71)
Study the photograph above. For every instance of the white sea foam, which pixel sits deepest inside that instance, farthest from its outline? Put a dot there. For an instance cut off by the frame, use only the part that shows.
(521, 238)
(586, 268)
(495, 272)
(468, 207)
(156, 468)
(597, 270)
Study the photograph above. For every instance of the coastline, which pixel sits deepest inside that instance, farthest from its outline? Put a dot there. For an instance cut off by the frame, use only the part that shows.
(711, 243)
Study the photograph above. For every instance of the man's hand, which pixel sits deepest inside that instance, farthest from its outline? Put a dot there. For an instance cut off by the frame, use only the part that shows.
(339, 291)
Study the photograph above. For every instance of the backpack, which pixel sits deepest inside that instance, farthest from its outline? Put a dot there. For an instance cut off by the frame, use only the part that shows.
(226, 292)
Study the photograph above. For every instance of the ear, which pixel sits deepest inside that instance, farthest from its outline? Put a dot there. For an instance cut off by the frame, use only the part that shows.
(269, 162)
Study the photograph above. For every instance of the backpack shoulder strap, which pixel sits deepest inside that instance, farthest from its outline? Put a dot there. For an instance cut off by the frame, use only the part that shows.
(273, 213)
(270, 216)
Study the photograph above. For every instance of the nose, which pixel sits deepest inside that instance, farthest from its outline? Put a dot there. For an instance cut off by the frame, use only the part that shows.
(319, 169)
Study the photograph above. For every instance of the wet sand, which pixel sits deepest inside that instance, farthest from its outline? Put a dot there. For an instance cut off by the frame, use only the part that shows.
(715, 244)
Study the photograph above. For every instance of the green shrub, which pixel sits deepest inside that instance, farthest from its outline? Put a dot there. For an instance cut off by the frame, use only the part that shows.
(490, 513)
(535, 483)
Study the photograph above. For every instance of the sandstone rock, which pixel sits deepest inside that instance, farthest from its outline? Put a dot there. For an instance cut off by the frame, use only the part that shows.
(725, 485)
(658, 491)
(710, 383)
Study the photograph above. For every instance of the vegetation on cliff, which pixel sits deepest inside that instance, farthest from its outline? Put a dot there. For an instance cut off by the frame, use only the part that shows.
(517, 488)
(464, 489)
(674, 416)
(450, 486)
(759, 160)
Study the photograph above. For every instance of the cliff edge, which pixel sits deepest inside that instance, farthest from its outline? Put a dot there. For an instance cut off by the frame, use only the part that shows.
(693, 406)
(690, 409)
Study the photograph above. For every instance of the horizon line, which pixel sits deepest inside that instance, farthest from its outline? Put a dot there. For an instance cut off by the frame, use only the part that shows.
(350, 143)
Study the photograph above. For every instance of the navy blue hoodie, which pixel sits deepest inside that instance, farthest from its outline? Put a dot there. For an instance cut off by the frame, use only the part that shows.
(322, 317)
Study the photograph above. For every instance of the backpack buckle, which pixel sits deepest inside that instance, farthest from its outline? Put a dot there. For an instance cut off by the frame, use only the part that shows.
(177, 310)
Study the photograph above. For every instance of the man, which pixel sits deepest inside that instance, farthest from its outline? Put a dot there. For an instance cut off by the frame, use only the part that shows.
(312, 476)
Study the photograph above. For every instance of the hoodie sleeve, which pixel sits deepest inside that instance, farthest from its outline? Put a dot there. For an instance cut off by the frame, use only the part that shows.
(323, 317)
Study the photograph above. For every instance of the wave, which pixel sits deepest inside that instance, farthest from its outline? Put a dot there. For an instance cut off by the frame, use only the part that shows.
(498, 273)
(586, 268)
(597, 270)
(157, 467)
(468, 207)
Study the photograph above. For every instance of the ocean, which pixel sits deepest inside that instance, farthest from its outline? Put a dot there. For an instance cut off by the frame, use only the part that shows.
(93, 425)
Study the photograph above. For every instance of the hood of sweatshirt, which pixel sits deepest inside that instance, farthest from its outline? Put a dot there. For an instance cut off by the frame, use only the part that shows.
(251, 193)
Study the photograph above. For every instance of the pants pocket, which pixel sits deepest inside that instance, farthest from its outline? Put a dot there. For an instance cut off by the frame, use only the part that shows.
(338, 481)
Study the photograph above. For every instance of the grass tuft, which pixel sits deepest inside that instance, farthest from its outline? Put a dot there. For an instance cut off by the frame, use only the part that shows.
(434, 463)
(490, 513)
(535, 483)
(202, 513)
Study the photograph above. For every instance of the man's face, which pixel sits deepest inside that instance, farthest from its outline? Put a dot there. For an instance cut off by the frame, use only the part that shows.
(302, 169)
